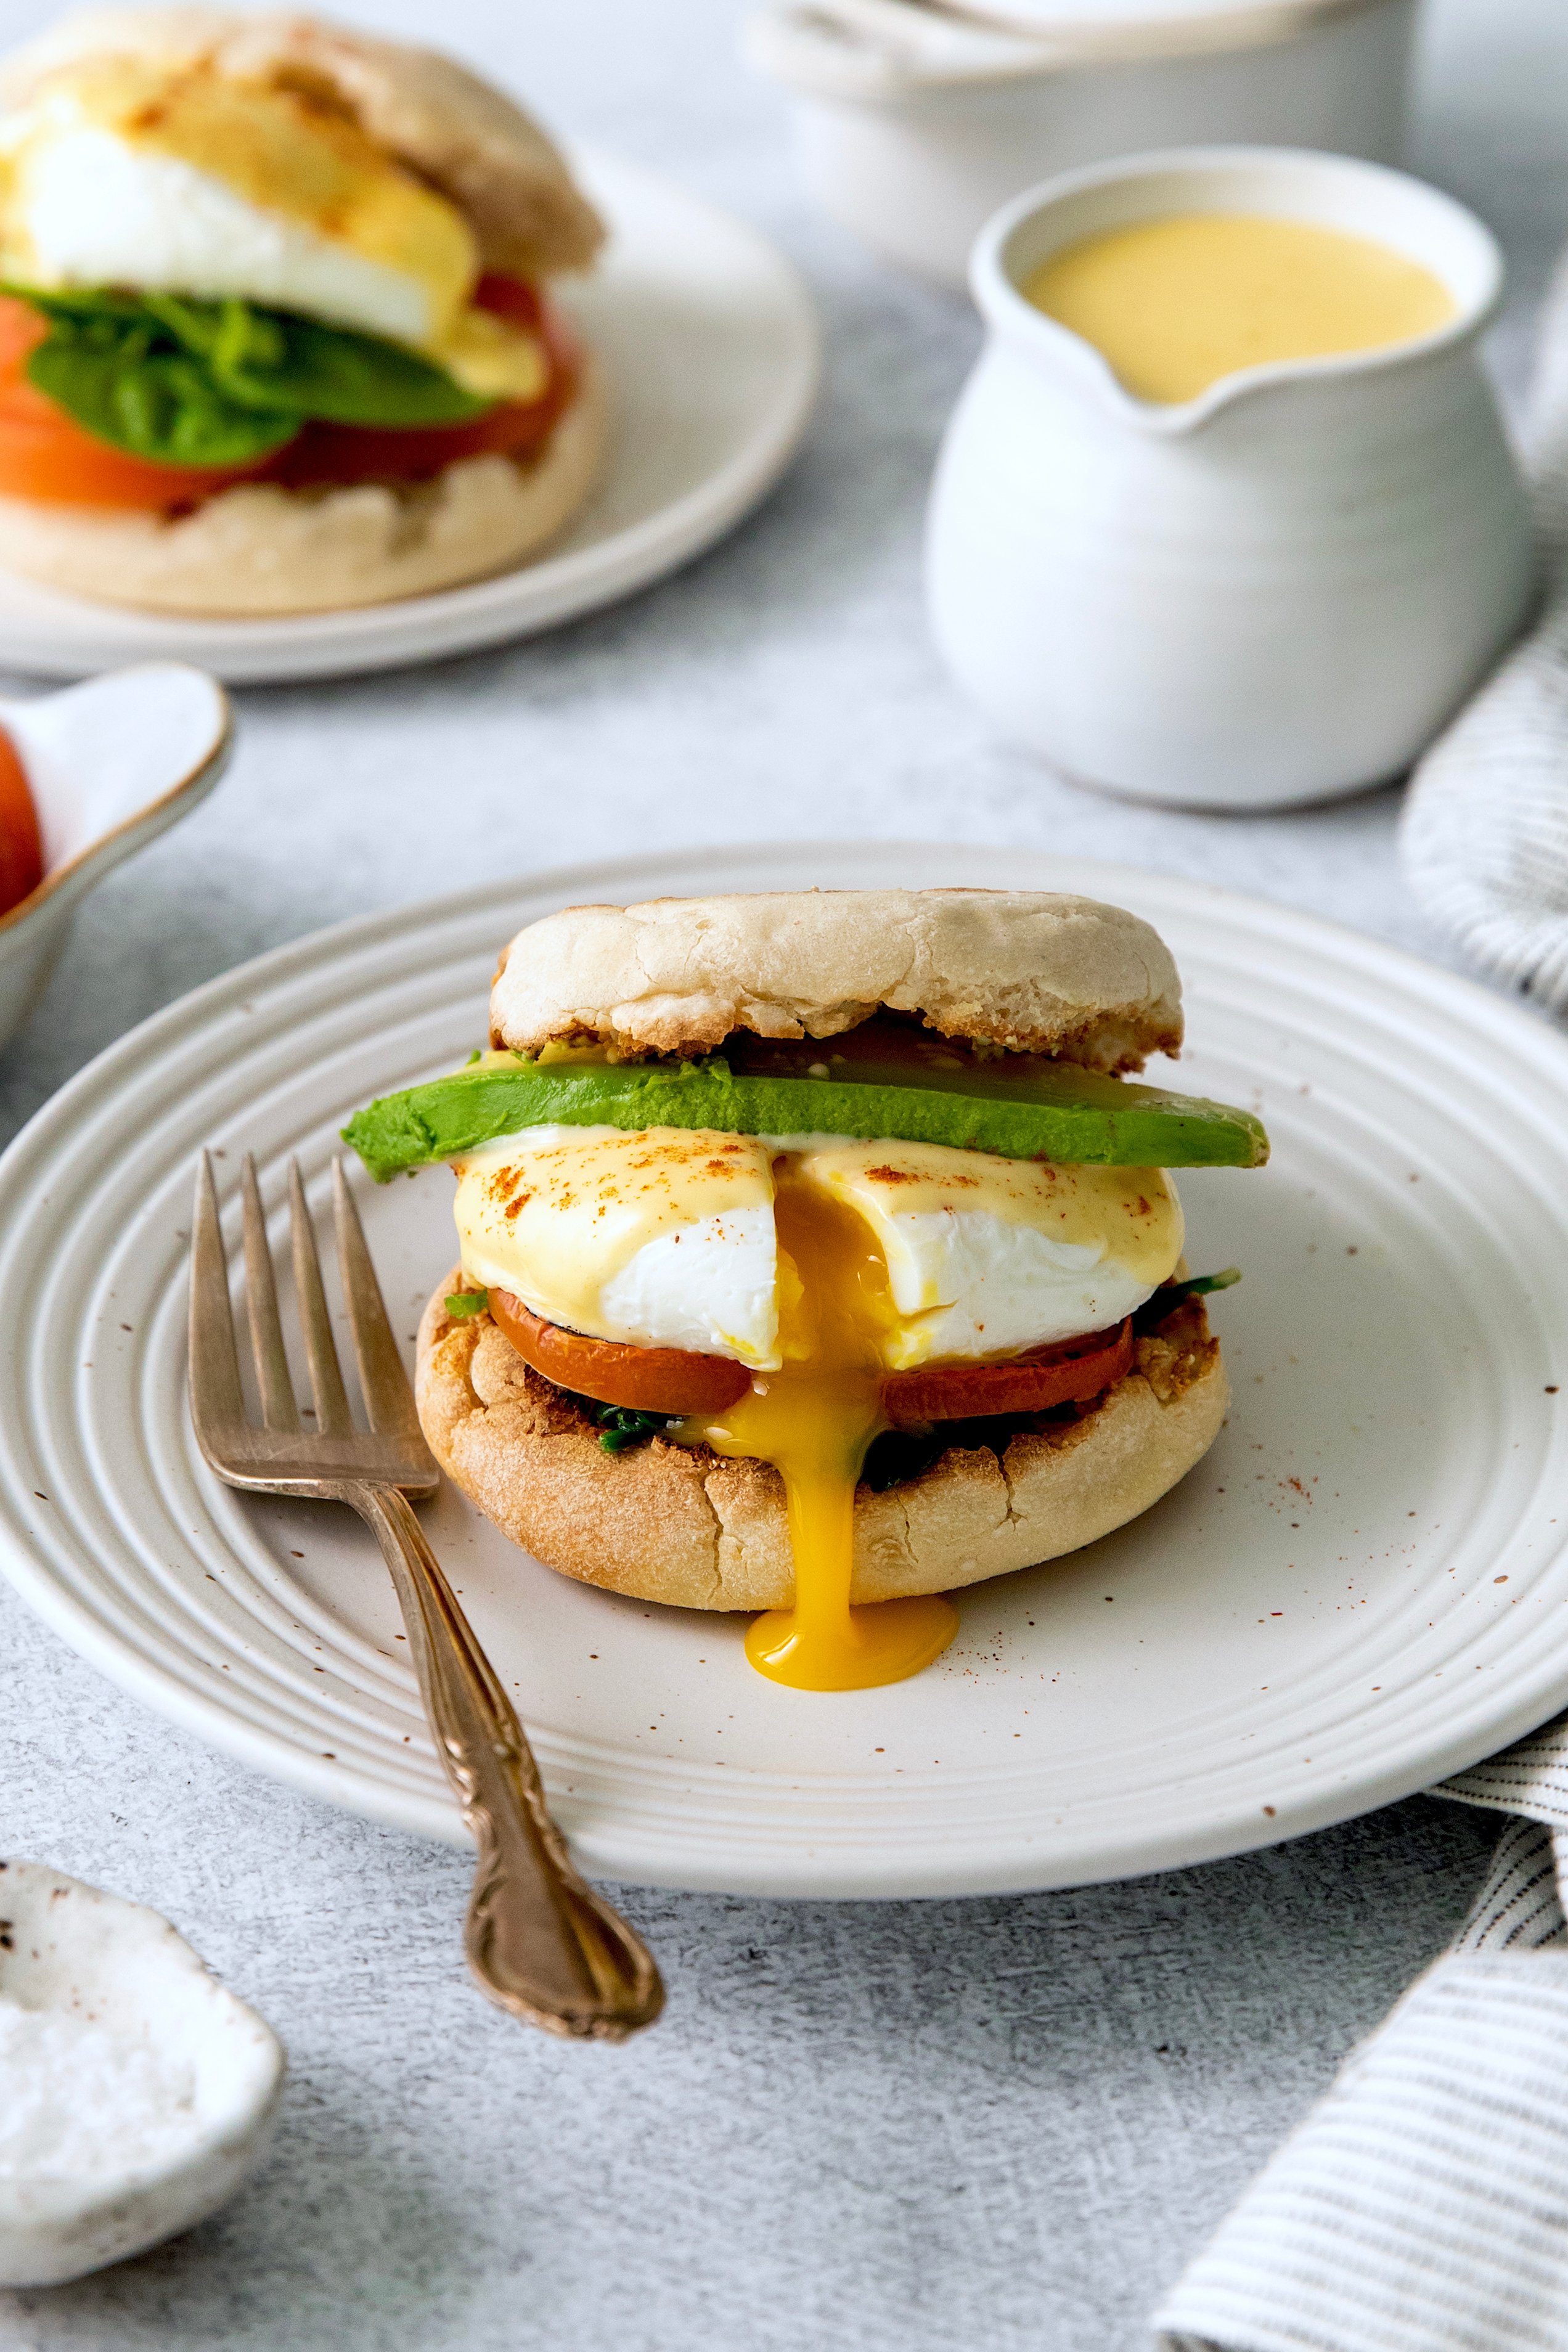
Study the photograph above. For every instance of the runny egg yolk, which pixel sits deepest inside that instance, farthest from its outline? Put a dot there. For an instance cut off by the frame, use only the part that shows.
(814, 1420)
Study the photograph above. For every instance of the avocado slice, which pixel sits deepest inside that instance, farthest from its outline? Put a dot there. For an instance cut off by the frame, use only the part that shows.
(1056, 1112)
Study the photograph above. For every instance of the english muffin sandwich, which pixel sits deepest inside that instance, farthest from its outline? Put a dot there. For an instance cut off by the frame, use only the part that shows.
(274, 333)
(816, 1251)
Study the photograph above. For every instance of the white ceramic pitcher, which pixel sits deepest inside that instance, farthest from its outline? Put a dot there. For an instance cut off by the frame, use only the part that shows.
(1270, 595)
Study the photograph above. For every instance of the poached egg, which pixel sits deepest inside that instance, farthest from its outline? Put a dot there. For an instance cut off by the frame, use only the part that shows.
(667, 1237)
(821, 1265)
(663, 1238)
(123, 174)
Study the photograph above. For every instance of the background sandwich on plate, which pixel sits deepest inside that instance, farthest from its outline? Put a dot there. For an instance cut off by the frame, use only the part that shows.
(816, 1252)
(275, 334)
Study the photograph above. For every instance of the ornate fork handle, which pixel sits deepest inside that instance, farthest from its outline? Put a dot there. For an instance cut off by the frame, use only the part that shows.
(540, 1941)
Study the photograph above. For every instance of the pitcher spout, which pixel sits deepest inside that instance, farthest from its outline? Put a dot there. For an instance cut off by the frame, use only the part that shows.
(1177, 420)
(1167, 289)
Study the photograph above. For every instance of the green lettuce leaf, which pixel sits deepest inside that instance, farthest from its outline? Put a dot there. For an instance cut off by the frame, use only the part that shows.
(188, 382)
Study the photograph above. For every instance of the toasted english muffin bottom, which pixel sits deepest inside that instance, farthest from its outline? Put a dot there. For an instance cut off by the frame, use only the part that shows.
(680, 1525)
(258, 551)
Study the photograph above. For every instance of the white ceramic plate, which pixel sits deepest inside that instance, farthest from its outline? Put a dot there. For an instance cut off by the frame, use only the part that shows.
(1361, 1589)
(710, 347)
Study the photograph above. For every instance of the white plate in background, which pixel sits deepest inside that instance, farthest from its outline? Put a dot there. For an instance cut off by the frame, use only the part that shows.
(710, 350)
(1362, 1588)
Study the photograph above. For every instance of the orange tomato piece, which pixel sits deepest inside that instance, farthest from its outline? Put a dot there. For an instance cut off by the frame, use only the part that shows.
(646, 1380)
(1067, 1372)
(514, 428)
(677, 1380)
(21, 848)
(45, 455)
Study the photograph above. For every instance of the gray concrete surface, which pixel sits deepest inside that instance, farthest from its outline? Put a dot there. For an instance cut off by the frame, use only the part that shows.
(1002, 2122)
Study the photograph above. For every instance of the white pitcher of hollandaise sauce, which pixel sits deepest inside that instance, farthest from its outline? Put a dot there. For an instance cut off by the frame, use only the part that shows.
(1226, 514)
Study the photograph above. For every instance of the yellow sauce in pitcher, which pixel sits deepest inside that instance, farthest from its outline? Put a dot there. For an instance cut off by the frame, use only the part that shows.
(1177, 303)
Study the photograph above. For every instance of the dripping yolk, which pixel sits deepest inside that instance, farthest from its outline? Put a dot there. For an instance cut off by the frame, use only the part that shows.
(814, 1420)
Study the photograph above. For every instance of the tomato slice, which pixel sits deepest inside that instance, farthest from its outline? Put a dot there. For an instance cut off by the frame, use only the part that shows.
(20, 329)
(677, 1380)
(1067, 1373)
(46, 456)
(519, 303)
(647, 1380)
(21, 849)
(361, 453)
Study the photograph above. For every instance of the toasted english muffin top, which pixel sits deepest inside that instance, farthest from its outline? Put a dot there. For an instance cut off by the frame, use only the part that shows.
(1029, 970)
(468, 141)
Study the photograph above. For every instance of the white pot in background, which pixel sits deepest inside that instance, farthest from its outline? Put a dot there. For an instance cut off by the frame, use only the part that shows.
(914, 125)
(1270, 595)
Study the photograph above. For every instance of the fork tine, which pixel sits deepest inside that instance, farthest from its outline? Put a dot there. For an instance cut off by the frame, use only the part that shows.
(278, 1408)
(332, 1416)
(218, 1401)
(389, 1400)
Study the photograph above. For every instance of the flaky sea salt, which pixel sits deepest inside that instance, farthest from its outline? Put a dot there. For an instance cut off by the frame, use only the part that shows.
(76, 2098)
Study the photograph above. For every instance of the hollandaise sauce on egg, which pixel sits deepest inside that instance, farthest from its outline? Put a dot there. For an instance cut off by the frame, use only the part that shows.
(822, 1267)
(121, 173)
(986, 1256)
(661, 1237)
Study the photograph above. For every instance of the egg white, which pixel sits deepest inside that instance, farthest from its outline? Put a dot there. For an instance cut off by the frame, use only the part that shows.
(93, 209)
(118, 175)
(662, 1239)
(1001, 1287)
(1040, 1255)
(710, 1286)
(986, 1256)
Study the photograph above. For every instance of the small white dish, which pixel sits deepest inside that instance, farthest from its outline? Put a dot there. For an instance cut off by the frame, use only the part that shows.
(1362, 1589)
(110, 765)
(711, 352)
(72, 1949)
(1267, 596)
(914, 123)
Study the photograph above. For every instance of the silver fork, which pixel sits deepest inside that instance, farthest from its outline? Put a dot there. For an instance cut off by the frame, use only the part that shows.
(540, 1942)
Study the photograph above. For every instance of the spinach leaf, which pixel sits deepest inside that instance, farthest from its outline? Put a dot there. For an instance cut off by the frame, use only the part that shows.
(277, 359)
(189, 383)
(621, 1425)
(126, 383)
(1197, 1286)
(1170, 1295)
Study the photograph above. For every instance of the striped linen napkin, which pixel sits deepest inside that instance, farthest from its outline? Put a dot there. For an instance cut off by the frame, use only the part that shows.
(1423, 2205)
(1484, 835)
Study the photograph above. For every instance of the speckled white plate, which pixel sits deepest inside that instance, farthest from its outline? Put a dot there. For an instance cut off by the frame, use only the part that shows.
(711, 348)
(1364, 1588)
